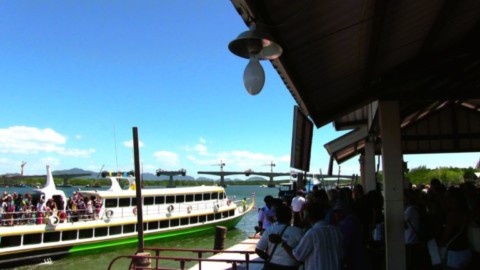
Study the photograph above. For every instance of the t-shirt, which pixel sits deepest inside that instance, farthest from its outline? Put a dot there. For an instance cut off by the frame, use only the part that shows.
(321, 247)
(292, 235)
(297, 203)
(264, 216)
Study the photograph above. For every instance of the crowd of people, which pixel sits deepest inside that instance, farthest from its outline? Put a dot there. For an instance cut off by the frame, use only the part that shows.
(344, 229)
(23, 209)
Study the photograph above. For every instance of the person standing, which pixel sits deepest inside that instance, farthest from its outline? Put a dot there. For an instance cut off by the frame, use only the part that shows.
(321, 246)
(266, 215)
(268, 246)
(297, 208)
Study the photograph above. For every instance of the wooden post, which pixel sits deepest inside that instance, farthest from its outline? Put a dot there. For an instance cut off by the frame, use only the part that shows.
(220, 235)
(138, 184)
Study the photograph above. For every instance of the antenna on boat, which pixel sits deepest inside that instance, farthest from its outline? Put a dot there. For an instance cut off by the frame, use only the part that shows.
(100, 172)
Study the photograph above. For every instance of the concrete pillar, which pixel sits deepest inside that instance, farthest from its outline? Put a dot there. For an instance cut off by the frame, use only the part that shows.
(389, 118)
(363, 175)
(369, 164)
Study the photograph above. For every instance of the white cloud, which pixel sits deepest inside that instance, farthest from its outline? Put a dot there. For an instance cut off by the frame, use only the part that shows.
(167, 160)
(200, 148)
(130, 143)
(32, 140)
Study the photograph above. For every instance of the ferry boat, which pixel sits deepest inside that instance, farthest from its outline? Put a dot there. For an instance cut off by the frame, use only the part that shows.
(167, 212)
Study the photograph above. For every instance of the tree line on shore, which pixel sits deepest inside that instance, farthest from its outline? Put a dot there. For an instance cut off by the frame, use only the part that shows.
(447, 175)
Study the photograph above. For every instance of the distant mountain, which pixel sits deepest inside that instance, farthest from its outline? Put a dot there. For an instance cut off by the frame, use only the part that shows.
(76, 171)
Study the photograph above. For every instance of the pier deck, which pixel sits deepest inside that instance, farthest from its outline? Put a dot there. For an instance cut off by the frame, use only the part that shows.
(245, 245)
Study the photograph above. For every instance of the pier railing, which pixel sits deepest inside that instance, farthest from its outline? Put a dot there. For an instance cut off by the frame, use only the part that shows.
(148, 261)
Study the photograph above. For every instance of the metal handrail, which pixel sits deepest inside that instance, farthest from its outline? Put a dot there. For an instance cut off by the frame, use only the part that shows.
(155, 260)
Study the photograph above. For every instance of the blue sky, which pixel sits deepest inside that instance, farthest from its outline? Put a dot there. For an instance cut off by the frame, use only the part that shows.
(76, 76)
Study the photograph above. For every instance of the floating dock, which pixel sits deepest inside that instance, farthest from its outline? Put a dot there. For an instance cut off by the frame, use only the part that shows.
(249, 245)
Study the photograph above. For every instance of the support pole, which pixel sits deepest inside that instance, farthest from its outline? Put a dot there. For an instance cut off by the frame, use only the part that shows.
(138, 184)
(370, 179)
(393, 184)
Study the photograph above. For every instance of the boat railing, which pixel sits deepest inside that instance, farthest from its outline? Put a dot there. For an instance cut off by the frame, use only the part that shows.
(43, 217)
(146, 260)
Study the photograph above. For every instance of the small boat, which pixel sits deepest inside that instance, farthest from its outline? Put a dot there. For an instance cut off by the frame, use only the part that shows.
(167, 212)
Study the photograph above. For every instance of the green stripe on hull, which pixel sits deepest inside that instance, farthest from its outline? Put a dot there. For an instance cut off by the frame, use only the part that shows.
(198, 230)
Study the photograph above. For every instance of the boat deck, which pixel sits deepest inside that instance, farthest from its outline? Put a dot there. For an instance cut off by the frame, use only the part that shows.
(245, 245)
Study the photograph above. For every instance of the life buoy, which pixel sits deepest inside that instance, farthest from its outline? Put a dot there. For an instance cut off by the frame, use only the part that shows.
(109, 213)
(229, 202)
(53, 220)
(135, 211)
(62, 215)
(170, 208)
(189, 209)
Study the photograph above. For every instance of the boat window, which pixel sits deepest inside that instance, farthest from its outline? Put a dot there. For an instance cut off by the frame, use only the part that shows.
(174, 222)
(214, 195)
(180, 198)
(198, 197)
(153, 225)
(218, 215)
(69, 235)
(124, 202)
(10, 241)
(189, 198)
(115, 230)
(29, 239)
(86, 233)
(202, 218)
(111, 203)
(222, 195)
(170, 199)
(148, 201)
(206, 196)
(164, 224)
(101, 231)
(134, 201)
(128, 228)
(231, 213)
(159, 200)
(49, 237)
(210, 217)
(184, 221)
(193, 220)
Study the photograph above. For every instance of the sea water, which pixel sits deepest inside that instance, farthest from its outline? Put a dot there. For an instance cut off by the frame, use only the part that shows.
(100, 259)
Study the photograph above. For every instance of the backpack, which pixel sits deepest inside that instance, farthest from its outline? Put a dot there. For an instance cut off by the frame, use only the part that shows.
(11, 207)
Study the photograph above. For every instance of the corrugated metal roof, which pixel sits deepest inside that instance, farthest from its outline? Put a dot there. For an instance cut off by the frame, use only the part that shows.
(341, 55)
